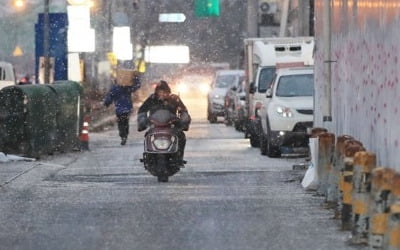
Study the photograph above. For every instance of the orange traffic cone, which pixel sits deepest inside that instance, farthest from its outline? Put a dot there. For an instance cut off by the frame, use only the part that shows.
(84, 136)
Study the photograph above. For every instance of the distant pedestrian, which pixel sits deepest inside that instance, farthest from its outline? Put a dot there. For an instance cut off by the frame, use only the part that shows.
(121, 96)
(25, 80)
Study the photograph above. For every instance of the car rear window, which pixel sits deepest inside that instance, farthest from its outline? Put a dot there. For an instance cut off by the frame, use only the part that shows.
(225, 81)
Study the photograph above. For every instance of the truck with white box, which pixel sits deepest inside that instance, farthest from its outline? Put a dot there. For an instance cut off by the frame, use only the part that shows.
(261, 55)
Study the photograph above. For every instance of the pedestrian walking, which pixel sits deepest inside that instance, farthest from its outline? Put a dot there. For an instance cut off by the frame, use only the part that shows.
(121, 96)
(25, 80)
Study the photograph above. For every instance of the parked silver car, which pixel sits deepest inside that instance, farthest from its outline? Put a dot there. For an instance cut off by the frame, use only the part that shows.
(223, 80)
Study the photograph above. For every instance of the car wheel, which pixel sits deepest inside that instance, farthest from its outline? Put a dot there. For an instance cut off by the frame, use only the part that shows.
(254, 141)
(263, 144)
(212, 118)
(237, 126)
(227, 120)
(271, 149)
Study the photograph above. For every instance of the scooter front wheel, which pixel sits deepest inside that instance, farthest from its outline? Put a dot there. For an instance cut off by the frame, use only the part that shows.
(162, 178)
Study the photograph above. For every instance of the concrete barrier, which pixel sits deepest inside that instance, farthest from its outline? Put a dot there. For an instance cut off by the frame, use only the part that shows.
(364, 162)
(338, 163)
(366, 198)
(392, 236)
(326, 149)
(351, 147)
(379, 206)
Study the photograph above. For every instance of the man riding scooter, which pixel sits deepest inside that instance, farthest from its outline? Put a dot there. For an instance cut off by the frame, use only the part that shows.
(162, 98)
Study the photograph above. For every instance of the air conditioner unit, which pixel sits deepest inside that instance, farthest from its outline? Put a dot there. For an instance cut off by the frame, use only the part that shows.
(267, 9)
(268, 6)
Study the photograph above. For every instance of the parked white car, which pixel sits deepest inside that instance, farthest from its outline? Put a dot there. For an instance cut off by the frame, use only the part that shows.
(7, 75)
(288, 111)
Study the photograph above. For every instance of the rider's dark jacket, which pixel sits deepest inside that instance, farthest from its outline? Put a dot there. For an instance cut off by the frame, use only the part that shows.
(173, 103)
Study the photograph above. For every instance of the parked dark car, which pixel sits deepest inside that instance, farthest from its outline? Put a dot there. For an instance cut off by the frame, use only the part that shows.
(235, 100)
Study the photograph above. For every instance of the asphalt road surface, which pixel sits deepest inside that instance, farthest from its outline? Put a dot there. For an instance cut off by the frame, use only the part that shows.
(227, 197)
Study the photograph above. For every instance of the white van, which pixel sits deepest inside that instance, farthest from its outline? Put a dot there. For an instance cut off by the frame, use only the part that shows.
(7, 75)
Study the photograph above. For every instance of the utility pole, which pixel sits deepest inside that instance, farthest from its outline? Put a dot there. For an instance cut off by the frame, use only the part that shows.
(252, 25)
(46, 36)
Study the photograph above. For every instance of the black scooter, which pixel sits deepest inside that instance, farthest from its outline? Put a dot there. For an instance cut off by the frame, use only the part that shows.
(161, 156)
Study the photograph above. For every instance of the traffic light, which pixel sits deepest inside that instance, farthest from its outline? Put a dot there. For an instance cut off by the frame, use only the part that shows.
(206, 8)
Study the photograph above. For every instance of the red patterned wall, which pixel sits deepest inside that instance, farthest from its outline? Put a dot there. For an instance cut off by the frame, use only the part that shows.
(365, 88)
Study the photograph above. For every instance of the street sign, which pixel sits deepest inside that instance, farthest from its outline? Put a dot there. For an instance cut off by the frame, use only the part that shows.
(167, 54)
(171, 18)
(78, 17)
(122, 46)
(18, 51)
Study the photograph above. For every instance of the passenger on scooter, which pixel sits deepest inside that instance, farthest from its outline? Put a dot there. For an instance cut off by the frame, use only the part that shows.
(162, 98)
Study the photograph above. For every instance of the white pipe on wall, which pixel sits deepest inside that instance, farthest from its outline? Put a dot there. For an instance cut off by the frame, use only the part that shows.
(327, 98)
(284, 18)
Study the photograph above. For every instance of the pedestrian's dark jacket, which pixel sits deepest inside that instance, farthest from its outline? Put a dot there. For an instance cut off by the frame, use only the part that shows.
(121, 96)
(173, 103)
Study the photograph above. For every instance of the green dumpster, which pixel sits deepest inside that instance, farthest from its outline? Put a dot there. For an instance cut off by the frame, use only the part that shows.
(28, 119)
(69, 116)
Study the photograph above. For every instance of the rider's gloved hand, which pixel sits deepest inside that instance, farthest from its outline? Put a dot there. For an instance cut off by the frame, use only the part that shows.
(142, 121)
(184, 121)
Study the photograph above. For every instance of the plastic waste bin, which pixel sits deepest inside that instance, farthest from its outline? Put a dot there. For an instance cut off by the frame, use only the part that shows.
(28, 119)
(40, 119)
(69, 116)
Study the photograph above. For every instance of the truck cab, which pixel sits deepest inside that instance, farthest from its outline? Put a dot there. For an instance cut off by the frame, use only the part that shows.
(7, 75)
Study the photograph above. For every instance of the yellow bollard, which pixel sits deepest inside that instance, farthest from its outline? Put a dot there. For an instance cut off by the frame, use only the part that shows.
(363, 164)
(339, 168)
(392, 235)
(324, 167)
(379, 207)
(351, 147)
(315, 132)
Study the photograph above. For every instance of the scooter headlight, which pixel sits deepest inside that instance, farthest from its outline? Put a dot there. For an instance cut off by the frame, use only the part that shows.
(162, 143)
